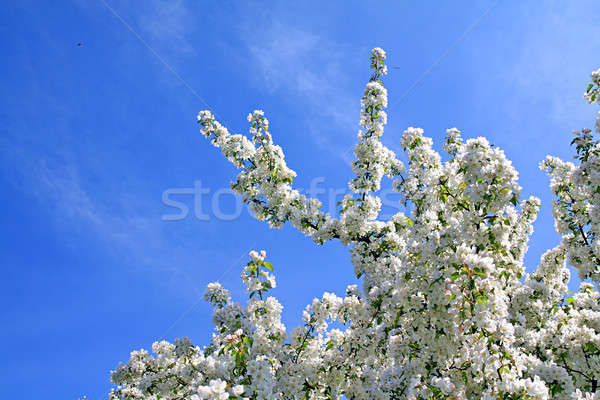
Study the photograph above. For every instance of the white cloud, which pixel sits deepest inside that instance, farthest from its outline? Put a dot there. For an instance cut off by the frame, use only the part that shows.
(553, 52)
(311, 70)
(168, 24)
(125, 226)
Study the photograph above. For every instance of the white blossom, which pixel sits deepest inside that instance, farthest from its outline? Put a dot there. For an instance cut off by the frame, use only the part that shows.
(445, 311)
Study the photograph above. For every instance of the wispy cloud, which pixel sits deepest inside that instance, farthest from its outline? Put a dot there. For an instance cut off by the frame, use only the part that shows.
(126, 226)
(309, 69)
(555, 54)
(168, 24)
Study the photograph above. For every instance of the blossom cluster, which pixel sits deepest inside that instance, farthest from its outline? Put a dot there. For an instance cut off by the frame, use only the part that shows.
(592, 94)
(373, 159)
(446, 309)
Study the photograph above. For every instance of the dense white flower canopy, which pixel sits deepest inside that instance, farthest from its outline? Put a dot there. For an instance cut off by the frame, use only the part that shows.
(445, 311)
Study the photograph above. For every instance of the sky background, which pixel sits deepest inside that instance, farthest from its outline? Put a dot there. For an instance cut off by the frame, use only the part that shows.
(92, 135)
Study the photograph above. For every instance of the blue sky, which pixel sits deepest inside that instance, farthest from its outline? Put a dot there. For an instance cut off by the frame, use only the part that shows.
(92, 135)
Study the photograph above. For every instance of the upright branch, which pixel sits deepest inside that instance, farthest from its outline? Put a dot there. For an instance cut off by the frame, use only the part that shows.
(265, 181)
(373, 159)
(576, 208)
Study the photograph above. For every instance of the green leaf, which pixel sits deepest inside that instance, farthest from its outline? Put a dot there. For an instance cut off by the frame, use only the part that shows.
(268, 265)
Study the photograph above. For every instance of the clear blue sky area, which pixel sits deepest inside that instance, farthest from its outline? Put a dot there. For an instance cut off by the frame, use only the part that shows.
(92, 135)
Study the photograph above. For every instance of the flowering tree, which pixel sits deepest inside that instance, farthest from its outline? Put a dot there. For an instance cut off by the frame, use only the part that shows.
(445, 311)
